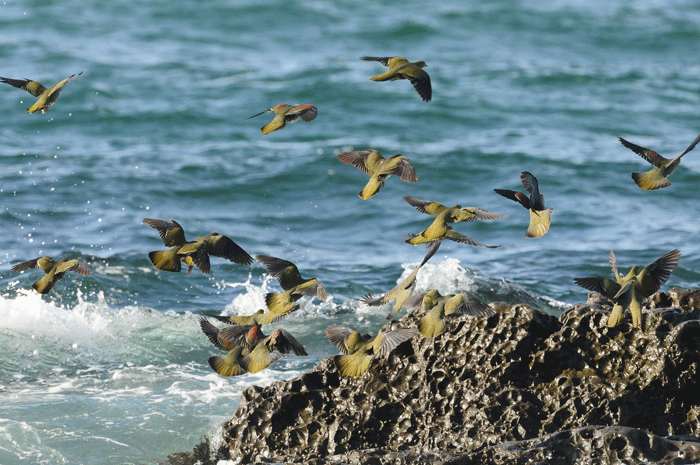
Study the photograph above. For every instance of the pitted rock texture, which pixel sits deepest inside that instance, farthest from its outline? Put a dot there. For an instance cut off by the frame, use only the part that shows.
(518, 375)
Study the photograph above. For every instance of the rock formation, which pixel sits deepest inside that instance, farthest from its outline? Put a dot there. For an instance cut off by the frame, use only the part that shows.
(517, 387)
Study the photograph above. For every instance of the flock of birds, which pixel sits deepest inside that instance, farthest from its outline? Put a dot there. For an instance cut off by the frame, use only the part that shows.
(249, 350)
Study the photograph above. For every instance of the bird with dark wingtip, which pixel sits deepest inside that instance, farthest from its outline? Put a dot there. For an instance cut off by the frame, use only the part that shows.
(439, 307)
(358, 350)
(195, 252)
(379, 168)
(287, 114)
(261, 317)
(657, 177)
(540, 218)
(629, 291)
(295, 287)
(441, 228)
(54, 271)
(401, 68)
(47, 96)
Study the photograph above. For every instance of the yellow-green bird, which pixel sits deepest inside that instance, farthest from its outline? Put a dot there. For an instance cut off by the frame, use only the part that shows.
(295, 287)
(278, 344)
(439, 307)
(442, 225)
(229, 364)
(54, 270)
(261, 317)
(47, 97)
(401, 68)
(287, 114)
(191, 252)
(629, 291)
(379, 168)
(359, 349)
(405, 288)
(540, 218)
(657, 177)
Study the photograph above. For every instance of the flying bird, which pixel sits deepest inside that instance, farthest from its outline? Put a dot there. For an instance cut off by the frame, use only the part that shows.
(540, 218)
(275, 346)
(657, 177)
(401, 68)
(358, 350)
(287, 114)
(439, 307)
(47, 97)
(441, 228)
(54, 271)
(379, 168)
(629, 291)
(261, 317)
(295, 287)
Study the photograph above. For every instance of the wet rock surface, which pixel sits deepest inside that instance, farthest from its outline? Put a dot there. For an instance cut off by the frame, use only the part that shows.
(518, 387)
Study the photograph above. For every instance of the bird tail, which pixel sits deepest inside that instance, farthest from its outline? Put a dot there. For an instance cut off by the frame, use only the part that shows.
(44, 285)
(371, 189)
(431, 327)
(279, 302)
(352, 365)
(227, 365)
(651, 180)
(414, 239)
(539, 223)
(616, 316)
(274, 125)
(166, 260)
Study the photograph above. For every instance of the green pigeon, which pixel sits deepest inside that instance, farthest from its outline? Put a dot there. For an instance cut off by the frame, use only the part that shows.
(47, 97)
(657, 177)
(629, 291)
(278, 344)
(439, 307)
(229, 364)
(54, 270)
(295, 287)
(359, 349)
(441, 228)
(258, 318)
(540, 218)
(379, 168)
(404, 289)
(401, 68)
(192, 253)
(287, 114)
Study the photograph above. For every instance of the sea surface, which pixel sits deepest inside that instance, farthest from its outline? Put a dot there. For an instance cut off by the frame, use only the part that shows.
(112, 367)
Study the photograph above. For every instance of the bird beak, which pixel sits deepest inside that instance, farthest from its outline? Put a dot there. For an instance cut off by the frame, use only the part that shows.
(258, 114)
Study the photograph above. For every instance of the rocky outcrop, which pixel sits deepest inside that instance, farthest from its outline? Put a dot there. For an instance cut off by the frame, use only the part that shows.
(518, 386)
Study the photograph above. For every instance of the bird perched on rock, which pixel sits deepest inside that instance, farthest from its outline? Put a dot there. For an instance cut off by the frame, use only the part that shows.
(195, 252)
(401, 68)
(405, 288)
(379, 168)
(47, 97)
(540, 218)
(54, 271)
(359, 349)
(657, 177)
(295, 287)
(287, 114)
(438, 307)
(629, 291)
(442, 225)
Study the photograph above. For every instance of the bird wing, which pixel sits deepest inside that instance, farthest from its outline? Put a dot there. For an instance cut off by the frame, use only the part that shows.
(384, 343)
(474, 214)
(532, 187)
(312, 288)
(286, 343)
(27, 265)
(30, 86)
(654, 275)
(75, 266)
(603, 286)
(416, 300)
(468, 305)
(420, 80)
(428, 207)
(339, 335)
(457, 237)
(519, 197)
(195, 253)
(225, 247)
(382, 60)
(366, 160)
(690, 147)
(286, 272)
(401, 166)
(170, 232)
(613, 267)
(305, 112)
(58, 86)
(649, 155)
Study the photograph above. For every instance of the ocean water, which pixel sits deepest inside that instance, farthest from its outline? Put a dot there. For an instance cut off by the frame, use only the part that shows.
(112, 367)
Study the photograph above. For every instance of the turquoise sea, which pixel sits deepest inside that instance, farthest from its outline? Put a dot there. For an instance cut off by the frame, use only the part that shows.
(112, 367)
